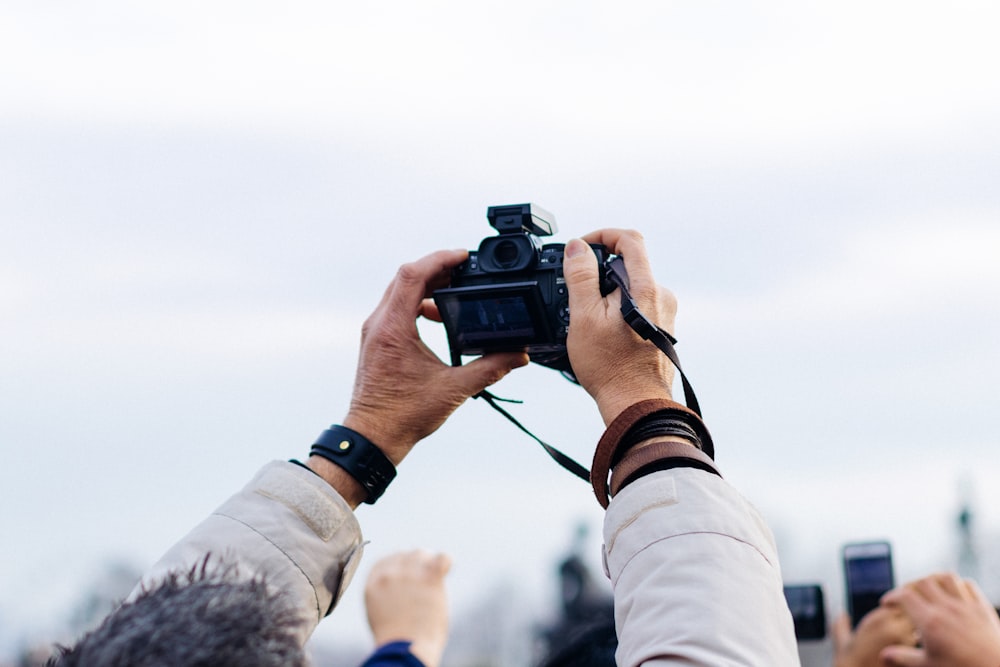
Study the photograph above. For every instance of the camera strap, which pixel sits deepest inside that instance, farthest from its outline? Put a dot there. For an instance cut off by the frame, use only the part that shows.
(643, 326)
(559, 457)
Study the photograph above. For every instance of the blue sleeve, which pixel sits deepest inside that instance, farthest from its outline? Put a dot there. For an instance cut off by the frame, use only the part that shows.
(394, 654)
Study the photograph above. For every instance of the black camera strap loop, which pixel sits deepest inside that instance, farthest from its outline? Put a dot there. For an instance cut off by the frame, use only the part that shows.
(649, 331)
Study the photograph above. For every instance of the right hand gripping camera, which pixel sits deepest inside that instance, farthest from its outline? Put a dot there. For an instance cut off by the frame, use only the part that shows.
(510, 295)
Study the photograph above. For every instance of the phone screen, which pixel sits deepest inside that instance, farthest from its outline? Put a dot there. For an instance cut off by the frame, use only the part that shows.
(808, 612)
(868, 571)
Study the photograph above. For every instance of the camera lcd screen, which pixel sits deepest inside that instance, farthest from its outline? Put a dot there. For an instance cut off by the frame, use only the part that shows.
(492, 318)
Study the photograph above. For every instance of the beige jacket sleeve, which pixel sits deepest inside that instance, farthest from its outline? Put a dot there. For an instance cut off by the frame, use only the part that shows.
(288, 525)
(695, 575)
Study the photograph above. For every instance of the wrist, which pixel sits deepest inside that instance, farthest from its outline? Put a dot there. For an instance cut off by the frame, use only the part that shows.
(655, 440)
(389, 440)
(338, 478)
(358, 457)
(614, 402)
(428, 651)
(657, 424)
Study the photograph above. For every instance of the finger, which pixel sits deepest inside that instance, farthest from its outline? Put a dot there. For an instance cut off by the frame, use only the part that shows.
(910, 599)
(428, 563)
(617, 241)
(447, 260)
(974, 592)
(890, 597)
(630, 245)
(441, 563)
(415, 281)
(382, 572)
(950, 584)
(937, 587)
(416, 555)
(480, 373)
(582, 278)
(429, 310)
(903, 656)
(896, 623)
(840, 631)
(668, 309)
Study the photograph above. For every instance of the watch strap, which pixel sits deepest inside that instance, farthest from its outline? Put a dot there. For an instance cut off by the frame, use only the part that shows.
(358, 456)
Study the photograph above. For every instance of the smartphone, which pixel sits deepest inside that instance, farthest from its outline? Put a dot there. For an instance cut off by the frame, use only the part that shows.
(805, 601)
(868, 573)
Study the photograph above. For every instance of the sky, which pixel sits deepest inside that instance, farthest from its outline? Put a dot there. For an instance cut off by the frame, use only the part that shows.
(201, 202)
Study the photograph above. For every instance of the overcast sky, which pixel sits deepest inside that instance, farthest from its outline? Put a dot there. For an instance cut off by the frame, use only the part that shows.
(200, 203)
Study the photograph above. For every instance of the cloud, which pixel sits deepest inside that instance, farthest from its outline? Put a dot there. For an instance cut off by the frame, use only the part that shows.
(719, 73)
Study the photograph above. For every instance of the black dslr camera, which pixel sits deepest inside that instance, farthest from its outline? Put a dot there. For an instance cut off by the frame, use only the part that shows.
(510, 294)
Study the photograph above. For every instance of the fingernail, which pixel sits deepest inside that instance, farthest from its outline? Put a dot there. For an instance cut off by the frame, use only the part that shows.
(575, 248)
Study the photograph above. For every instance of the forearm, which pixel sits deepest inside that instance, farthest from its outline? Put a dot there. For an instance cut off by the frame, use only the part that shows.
(287, 525)
(695, 575)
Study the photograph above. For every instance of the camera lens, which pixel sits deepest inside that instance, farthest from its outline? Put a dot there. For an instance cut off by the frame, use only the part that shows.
(505, 254)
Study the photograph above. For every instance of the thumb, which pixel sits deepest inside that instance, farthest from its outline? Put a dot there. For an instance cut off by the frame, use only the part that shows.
(480, 373)
(582, 278)
(903, 656)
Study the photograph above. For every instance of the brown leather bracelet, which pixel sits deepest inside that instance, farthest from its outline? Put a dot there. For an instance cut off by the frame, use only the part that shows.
(608, 445)
(639, 457)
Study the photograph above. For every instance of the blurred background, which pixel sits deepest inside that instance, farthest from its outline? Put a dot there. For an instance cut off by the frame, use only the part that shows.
(201, 202)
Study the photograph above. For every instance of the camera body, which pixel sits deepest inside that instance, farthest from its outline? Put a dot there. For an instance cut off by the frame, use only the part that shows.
(510, 294)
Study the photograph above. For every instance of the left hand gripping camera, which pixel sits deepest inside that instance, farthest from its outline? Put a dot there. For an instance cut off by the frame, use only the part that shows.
(511, 295)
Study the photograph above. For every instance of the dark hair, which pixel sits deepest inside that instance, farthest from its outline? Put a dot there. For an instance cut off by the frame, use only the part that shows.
(206, 616)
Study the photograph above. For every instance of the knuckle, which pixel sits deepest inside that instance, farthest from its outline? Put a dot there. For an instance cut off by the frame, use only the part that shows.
(367, 326)
(633, 235)
(408, 273)
(646, 293)
(373, 333)
(935, 623)
(668, 300)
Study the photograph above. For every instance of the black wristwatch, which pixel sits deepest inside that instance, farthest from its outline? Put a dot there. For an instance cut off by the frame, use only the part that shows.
(359, 456)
